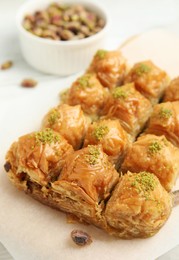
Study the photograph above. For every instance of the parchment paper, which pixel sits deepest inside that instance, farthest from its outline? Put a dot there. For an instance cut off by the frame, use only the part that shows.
(32, 231)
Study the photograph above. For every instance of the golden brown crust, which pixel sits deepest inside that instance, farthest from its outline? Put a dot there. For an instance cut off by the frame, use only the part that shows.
(165, 121)
(113, 138)
(69, 121)
(110, 68)
(89, 93)
(83, 186)
(154, 154)
(39, 154)
(172, 92)
(86, 180)
(85, 183)
(149, 80)
(130, 107)
(90, 169)
(138, 207)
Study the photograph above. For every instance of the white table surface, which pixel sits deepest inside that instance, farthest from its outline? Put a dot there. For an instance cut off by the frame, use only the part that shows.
(128, 17)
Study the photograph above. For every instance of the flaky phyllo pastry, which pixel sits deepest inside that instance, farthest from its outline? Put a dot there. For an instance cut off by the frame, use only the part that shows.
(88, 92)
(165, 121)
(38, 156)
(85, 183)
(108, 154)
(139, 205)
(69, 121)
(172, 92)
(109, 67)
(154, 154)
(111, 135)
(149, 80)
(130, 107)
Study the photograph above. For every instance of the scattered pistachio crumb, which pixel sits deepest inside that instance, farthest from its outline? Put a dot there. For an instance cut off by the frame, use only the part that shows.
(46, 136)
(93, 154)
(119, 92)
(28, 83)
(142, 69)
(100, 132)
(154, 147)
(84, 81)
(6, 65)
(101, 54)
(144, 182)
(165, 113)
(54, 115)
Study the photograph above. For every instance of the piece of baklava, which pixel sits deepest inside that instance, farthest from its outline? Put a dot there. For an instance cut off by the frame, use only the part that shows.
(154, 154)
(85, 183)
(88, 92)
(113, 138)
(110, 68)
(172, 92)
(139, 206)
(165, 121)
(130, 107)
(149, 80)
(38, 157)
(69, 121)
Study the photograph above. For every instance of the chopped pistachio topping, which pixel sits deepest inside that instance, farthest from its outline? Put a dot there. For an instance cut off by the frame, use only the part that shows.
(119, 92)
(93, 154)
(84, 81)
(142, 69)
(100, 132)
(165, 113)
(154, 147)
(54, 115)
(101, 54)
(144, 182)
(46, 136)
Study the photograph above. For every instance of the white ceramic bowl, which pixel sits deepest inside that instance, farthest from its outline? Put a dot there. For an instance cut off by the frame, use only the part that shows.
(58, 57)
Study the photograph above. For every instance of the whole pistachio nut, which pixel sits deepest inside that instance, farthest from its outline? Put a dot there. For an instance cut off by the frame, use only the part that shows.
(6, 65)
(28, 83)
(66, 35)
(63, 22)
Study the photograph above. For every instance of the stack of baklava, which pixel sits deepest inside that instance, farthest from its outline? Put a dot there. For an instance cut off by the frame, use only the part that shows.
(109, 152)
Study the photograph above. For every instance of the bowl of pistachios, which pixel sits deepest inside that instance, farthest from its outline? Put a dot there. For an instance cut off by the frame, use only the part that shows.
(61, 37)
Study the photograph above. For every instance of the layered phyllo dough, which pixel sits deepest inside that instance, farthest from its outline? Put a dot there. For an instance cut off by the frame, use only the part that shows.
(88, 92)
(38, 156)
(149, 80)
(139, 206)
(156, 155)
(107, 154)
(172, 92)
(130, 107)
(113, 138)
(109, 67)
(165, 121)
(69, 121)
(85, 183)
